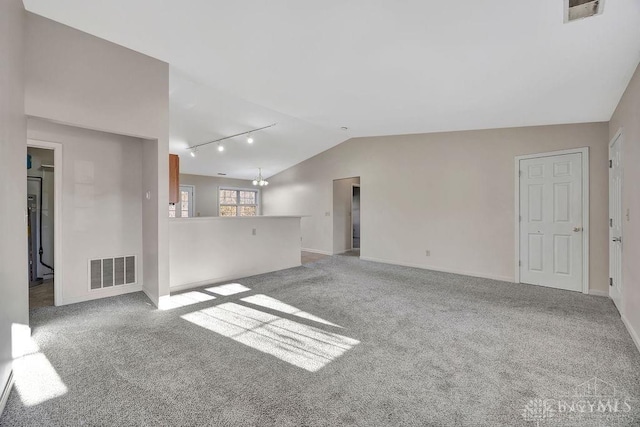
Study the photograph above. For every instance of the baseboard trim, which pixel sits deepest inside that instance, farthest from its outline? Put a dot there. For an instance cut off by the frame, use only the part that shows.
(153, 298)
(634, 335)
(239, 275)
(317, 251)
(103, 293)
(441, 270)
(598, 293)
(4, 397)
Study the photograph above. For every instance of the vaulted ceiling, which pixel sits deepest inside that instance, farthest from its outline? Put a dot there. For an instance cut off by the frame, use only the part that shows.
(376, 67)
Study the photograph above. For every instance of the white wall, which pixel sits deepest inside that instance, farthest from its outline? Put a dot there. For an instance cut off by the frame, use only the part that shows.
(101, 203)
(80, 80)
(209, 250)
(627, 117)
(451, 193)
(13, 186)
(206, 191)
(342, 196)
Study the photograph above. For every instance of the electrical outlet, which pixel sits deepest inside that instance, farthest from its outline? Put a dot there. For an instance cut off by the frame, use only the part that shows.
(327, 213)
(253, 232)
(427, 252)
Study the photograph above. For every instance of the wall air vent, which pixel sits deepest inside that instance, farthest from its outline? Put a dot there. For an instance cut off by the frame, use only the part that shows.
(579, 9)
(109, 272)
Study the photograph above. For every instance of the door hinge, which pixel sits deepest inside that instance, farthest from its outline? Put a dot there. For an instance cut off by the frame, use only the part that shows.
(610, 281)
(519, 263)
(520, 173)
(520, 218)
(610, 222)
(610, 164)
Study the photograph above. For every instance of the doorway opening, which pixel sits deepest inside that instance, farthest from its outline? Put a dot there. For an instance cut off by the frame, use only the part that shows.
(43, 174)
(355, 217)
(552, 219)
(343, 216)
(40, 226)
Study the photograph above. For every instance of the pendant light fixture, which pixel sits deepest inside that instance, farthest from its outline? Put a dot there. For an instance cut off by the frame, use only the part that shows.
(259, 180)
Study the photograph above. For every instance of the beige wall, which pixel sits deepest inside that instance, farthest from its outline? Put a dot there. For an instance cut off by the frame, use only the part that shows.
(80, 80)
(13, 183)
(206, 191)
(342, 195)
(451, 193)
(627, 118)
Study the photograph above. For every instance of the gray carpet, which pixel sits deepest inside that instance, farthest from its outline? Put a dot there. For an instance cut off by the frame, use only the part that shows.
(409, 347)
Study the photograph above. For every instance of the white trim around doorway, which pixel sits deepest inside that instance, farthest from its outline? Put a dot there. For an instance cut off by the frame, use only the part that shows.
(585, 209)
(58, 297)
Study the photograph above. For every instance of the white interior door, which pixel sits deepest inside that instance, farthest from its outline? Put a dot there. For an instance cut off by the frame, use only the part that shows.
(615, 222)
(551, 221)
(184, 208)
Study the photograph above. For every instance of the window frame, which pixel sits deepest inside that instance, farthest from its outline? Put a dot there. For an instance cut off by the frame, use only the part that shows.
(258, 204)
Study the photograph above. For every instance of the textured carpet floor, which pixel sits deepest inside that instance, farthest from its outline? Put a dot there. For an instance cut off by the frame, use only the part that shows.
(389, 346)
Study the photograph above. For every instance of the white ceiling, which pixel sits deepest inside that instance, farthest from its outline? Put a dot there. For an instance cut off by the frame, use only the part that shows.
(378, 67)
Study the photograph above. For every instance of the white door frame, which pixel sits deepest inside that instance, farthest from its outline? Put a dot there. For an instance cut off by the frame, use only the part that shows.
(585, 209)
(618, 137)
(58, 278)
(352, 186)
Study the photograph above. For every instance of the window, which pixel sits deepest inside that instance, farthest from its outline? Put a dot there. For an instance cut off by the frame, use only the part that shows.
(184, 208)
(238, 202)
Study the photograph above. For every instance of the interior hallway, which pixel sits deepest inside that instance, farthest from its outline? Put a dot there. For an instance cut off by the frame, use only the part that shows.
(41, 295)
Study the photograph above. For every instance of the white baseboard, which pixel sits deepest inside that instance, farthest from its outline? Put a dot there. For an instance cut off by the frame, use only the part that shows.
(442, 270)
(634, 335)
(316, 251)
(5, 392)
(598, 293)
(238, 275)
(153, 298)
(103, 293)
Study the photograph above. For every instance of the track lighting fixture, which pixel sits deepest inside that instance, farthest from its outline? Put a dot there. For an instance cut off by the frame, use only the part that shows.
(249, 134)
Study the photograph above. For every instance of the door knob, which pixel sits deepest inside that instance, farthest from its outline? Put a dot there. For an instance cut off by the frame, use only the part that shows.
(617, 239)
(576, 229)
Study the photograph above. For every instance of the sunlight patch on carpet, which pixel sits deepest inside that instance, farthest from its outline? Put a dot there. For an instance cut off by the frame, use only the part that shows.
(274, 304)
(229, 289)
(37, 380)
(188, 298)
(300, 345)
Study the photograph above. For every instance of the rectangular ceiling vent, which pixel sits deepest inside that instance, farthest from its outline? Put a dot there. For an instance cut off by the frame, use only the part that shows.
(109, 272)
(579, 9)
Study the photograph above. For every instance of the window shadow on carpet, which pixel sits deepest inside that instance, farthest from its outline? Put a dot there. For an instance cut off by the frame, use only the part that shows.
(301, 345)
